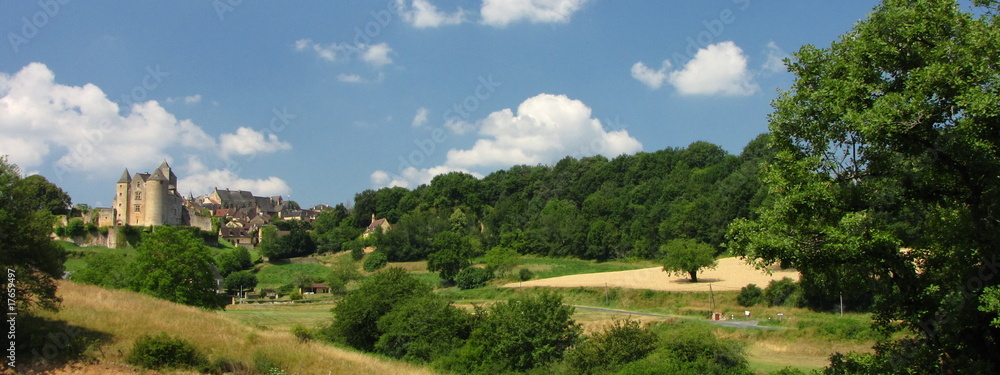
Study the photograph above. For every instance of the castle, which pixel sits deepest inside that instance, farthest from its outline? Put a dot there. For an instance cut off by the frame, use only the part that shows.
(148, 199)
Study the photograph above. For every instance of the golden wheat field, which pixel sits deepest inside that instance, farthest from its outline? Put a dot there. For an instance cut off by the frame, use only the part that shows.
(730, 274)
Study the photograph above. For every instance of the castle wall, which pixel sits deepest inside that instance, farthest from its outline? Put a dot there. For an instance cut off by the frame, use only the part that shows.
(154, 202)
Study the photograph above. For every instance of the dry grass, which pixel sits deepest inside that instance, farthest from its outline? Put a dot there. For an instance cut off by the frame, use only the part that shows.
(731, 274)
(126, 316)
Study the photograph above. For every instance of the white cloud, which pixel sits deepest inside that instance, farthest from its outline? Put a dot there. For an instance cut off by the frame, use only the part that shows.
(545, 128)
(717, 69)
(247, 141)
(501, 13)
(420, 119)
(652, 78)
(775, 58)
(423, 14)
(191, 99)
(377, 55)
(78, 131)
(350, 78)
(459, 126)
(198, 180)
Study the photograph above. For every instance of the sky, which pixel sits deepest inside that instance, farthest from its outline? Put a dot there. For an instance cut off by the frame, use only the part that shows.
(319, 100)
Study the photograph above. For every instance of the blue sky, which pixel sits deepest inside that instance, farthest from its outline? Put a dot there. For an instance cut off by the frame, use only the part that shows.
(319, 100)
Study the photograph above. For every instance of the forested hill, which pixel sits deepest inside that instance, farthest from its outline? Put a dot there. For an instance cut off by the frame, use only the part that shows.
(592, 208)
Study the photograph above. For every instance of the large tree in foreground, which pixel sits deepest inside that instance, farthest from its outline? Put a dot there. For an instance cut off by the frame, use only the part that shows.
(174, 265)
(887, 181)
(26, 252)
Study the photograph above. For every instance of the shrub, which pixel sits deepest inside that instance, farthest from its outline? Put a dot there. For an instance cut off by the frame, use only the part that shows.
(750, 295)
(356, 317)
(472, 277)
(423, 329)
(375, 260)
(343, 271)
(525, 274)
(357, 252)
(295, 295)
(624, 342)
(162, 351)
(60, 231)
(501, 260)
(75, 228)
(302, 333)
(778, 291)
(692, 349)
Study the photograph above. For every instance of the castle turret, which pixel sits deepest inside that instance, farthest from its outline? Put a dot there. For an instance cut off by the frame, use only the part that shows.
(156, 198)
(121, 205)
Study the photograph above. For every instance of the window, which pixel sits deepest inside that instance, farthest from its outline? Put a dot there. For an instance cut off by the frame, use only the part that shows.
(138, 208)
(138, 195)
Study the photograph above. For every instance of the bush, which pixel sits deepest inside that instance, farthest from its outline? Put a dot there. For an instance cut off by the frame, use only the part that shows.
(692, 349)
(472, 277)
(302, 333)
(375, 260)
(525, 274)
(423, 329)
(75, 228)
(356, 317)
(624, 342)
(778, 291)
(501, 260)
(162, 351)
(357, 252)
(295, 295)
(750, 295)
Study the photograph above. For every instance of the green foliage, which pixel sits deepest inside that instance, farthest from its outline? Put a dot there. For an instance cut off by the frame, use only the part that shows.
(422, 328)
(989, 302)
(27, 248)
(750, 295)
(452, 253)
(163, 351)
(75, 228)
(302, 333)
(295, 295)
(294, 244)
(778, 292)
(40, 194)
(175, 265)
(887, 141)
(343, 271)
(692, 349)
(501, 260)
(525, 274)
(375, 260)
(518, 335)
(240, 281)
(356, 317)
(107, 270)
(623, 342)
(687, 256)
(233, 260)
(472, 277)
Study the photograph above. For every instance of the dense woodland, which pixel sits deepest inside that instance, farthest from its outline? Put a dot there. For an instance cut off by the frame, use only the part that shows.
(591, 208)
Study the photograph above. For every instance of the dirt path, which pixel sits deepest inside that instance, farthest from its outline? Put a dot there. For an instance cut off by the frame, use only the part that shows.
(731, 274)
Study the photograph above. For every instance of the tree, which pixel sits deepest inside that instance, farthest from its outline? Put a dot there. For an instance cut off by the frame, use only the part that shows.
(623, 342)
(472, 277)
(423, 328)
(343, 271)
(452, 253)
(233, 260)
(886, 141)
(40, 194)
(521, 334)
(106, 270)
(25, 246)
(75, 228)
(687, 256)
(294, 244)
(375, 260)
(750, 295)
(501, 260)
(356, 317)
(241, 281)
(174, 265)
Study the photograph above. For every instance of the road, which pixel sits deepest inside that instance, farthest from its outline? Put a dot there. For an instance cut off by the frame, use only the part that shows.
(725, 323)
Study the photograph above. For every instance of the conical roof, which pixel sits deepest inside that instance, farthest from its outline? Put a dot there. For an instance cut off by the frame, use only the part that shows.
(125, 177)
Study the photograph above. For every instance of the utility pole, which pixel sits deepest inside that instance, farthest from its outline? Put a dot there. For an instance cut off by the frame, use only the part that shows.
(711, 297)
(841, 304)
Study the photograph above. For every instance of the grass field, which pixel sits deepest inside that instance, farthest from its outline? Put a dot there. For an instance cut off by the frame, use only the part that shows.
(276, 275)
(125, 316)
(75, 262)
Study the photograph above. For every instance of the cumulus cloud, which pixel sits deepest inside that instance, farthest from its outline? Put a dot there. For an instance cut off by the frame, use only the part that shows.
(719, 69)
(423, 14)
(420, 119)
(544, 129)
(500, 13)
(79, 131)
(247, 141)
(652, 78)
(199, 179)
(376, 55)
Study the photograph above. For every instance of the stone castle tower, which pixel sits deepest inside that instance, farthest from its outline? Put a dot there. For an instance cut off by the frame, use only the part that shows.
(148, 199)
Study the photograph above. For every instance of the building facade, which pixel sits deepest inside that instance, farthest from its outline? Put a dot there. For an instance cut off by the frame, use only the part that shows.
(148, 199)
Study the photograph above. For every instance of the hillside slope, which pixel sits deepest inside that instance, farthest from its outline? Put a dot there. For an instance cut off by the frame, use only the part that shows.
(126, 316)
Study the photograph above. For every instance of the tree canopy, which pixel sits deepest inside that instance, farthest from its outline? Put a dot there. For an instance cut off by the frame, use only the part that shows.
(174, 265)
(886, 180)
(687, 256)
